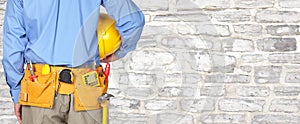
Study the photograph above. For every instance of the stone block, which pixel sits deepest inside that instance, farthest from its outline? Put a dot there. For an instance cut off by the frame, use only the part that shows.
(267, 74)
(277, 44)
(241, 105)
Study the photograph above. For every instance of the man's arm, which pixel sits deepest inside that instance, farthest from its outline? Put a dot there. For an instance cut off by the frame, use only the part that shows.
(129, 22)
(14, 43)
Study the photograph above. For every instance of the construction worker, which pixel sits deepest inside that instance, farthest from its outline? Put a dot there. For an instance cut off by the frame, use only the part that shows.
(51, 57)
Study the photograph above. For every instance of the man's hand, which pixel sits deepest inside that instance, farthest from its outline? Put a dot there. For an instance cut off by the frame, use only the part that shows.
(109, 58)
(18, 112)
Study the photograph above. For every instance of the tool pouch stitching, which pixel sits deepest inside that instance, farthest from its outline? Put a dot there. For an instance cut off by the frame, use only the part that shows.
(39, 93)
(85, 97)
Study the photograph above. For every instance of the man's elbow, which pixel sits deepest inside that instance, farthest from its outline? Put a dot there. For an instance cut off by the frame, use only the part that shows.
(131, 22)
(140, 19)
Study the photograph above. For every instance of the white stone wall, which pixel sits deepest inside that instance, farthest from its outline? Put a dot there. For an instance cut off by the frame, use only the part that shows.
(205, 61)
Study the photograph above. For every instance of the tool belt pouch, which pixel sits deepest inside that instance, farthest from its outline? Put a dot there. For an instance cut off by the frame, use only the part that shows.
(86, 97)
(39, 93)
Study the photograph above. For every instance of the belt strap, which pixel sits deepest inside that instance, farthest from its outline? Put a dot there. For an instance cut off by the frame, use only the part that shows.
(65, 88)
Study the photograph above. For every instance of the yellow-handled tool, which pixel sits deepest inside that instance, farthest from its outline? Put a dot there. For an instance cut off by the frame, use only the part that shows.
(104, 101)
(45, 69)
(104, 112)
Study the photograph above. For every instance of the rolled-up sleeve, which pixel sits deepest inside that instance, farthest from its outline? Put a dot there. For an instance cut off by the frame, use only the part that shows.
(129, 22)
(14, 43)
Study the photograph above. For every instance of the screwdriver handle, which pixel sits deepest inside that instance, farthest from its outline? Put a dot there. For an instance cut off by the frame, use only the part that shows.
(32, 77)
(107, 70)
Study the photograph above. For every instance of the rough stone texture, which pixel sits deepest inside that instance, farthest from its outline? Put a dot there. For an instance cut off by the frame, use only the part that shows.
(4, 93)
(203, 29)
(281, 30)
(267, 74)
(138, 92)
(292, 77)
(253, 91)
(151, 30)
(277, 44)
(204, 62)
(192, 78)
(285, 105)
(222, 63)
(6, 108)
(228, 78)
(198, 4)
(253, 3)
(213, 91)
(186, 42)
(174, 79)
(197, 105)
(248, 29)
(287, 91)
(139, 63)
(289, 3)
(272, 15)
(238, 45)
(172, 118)
(177, 91)
(187, 17)
(293, 58)
(232, 15)
(240, 105)
(129, 116)
(141, 79)
(153, 5)
(160, 105)
(222, 118)
(117, 121)
(8, 120)
(246, 69)
(124, 104)
(252, 58)
(277, 119)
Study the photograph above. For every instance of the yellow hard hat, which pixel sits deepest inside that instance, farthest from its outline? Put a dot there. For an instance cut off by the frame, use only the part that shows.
(109, 39)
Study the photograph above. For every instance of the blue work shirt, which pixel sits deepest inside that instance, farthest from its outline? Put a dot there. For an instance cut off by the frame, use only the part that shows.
(61, 32)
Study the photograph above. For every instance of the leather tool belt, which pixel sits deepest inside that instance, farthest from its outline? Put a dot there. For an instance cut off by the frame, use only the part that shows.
(42, 90)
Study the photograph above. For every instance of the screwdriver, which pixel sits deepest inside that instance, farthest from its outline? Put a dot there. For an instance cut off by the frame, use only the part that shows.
(32, 77)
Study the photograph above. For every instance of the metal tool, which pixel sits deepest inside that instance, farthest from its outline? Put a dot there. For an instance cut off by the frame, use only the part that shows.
(104, 97)
(31, 68)
(32, 77)
(104, 100)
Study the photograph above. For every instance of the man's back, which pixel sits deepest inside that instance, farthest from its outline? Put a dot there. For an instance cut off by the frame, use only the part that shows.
(54, 26)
